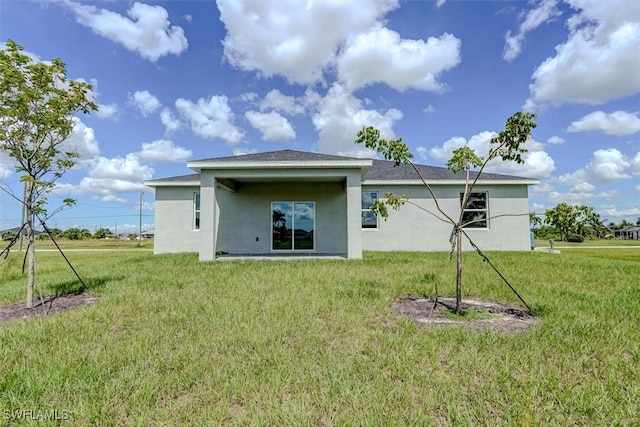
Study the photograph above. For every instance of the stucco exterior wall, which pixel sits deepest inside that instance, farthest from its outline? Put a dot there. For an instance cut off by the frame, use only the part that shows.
(413, 229)
(174, 220)
(245, 216)
(239, 222)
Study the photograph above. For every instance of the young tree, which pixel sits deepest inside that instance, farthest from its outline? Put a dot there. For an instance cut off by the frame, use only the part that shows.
(570, 219)
(507, 145)
(37, 104)
(102, 233)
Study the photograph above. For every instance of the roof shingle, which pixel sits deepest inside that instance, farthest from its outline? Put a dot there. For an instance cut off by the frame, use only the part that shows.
(381, 170)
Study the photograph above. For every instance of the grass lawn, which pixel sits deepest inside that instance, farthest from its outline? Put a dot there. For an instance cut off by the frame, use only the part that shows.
(602, 243)
(313, 342)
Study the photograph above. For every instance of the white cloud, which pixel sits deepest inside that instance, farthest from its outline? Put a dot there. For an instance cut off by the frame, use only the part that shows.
(212, 118)
(423, 152)
(293, 39)
(631, 213)
(163, 151)
(147, 30)
(105, 189)
(555, 140)
(635, 164)
(608, 165)
(380, 55)
(571, 197)
(574, 178)
(171, 123)
(543, 12)
(110, 177)
(339, 116)
(609, 194)
(107, 111)
(618, 123)
(145, 102)
(537, 162)
(605, 166)
(82, 140)
(272, 126)
(7, 165)
(543, 187)
(128, 168)
(599, 60)
(276, 100)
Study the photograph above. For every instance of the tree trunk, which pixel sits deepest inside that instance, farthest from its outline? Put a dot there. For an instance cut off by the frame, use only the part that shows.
(31, 255)
(459, 273)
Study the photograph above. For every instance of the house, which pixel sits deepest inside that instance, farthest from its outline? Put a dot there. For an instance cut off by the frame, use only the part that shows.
(632, 233)
(298, 204)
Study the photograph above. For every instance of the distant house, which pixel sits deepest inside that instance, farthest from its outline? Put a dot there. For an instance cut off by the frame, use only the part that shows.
(298, 203)
(148, 234)
(632, 233)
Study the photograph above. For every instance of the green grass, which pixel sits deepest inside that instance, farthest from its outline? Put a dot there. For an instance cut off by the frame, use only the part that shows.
(314, 342)
(603, 243)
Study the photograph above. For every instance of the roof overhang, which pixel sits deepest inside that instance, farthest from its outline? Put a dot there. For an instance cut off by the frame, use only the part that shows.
(169, 183)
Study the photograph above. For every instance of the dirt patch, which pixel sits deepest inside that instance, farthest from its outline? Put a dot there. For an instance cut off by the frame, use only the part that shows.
(492, 315)
(48, 306)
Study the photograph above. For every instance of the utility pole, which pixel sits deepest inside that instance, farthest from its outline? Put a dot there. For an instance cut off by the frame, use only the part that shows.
(140, 223)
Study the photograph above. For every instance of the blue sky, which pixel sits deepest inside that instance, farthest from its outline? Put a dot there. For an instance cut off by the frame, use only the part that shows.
(186, 80)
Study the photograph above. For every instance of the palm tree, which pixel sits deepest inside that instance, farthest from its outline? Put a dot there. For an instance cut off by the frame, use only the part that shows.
(279, 224)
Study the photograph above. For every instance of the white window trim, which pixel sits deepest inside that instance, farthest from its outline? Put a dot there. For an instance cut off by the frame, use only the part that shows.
(362, 210)
(488, 226)
(196, 211)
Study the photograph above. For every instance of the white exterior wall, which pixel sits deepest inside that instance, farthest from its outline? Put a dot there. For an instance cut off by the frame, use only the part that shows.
(208, 217)
(174, 220)
(413, 229)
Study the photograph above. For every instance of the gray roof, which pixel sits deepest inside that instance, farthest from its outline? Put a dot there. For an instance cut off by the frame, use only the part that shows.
(387, 171)
(282, 155)
(177, 179)
(381, 170)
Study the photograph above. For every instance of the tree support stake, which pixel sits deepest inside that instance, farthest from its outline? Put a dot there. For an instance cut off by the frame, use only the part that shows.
(485, 259)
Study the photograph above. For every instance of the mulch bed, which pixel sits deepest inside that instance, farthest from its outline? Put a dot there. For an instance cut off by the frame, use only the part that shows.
(48, 306)
(500, 316)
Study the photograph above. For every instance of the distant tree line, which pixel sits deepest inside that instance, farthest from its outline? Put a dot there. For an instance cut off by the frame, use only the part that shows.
(574, 223)
(73, 233)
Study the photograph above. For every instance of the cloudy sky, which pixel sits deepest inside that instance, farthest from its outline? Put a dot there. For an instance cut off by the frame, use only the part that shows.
(186, 80)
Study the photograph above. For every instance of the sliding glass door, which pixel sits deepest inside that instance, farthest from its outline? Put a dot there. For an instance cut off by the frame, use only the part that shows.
(293, 226)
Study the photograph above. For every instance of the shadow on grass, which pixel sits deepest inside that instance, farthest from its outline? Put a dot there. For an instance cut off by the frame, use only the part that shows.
(76, 287)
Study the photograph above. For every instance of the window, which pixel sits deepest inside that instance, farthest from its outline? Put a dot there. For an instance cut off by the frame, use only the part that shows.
(476, 210)
(196, 211)
(369, 220)
(292, 226)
